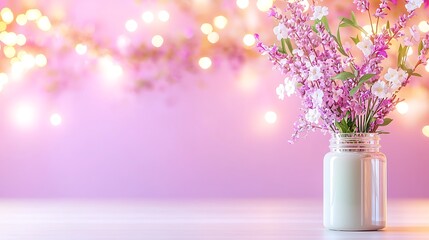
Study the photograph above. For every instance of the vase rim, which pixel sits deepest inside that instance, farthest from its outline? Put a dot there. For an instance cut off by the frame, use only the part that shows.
(346, 135)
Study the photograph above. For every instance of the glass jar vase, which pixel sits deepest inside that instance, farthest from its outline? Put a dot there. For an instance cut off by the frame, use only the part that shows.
(354, 183)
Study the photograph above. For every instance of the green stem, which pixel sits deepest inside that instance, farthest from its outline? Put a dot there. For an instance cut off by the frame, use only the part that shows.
(283, 45)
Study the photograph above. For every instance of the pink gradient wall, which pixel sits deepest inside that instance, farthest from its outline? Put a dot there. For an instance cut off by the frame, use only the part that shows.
(187, 142)
(203, 138)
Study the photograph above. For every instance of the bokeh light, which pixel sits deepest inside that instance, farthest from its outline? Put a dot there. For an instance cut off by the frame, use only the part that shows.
(56, 119)
(220, 22)
(44, 24)
(264, 5)
(424, 26)
(4, 79)
(402, 108)
(17, 70)
(131, 25)
(122, 42)
(242, 4)
(7, 15)
(109, 68)
(148, 17)
(81, 48)
(33, 14)
(9, 38)
(206, 28)
(213, 37)
(368, 29)
(205, 62)
(163, 16)
(21, 19)
(410, 52)
(21, 40)
(157, 41)
(249, 40)
(425, 131)
(9, 51)
(270, 117)
(28, 60)
(41, 60)
(24, 115)
(3, 26)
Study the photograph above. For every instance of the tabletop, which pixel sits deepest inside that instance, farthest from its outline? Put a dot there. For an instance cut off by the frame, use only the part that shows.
(194, 219)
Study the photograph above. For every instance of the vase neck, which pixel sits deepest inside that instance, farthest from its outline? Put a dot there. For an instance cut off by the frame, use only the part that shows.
(354, 142)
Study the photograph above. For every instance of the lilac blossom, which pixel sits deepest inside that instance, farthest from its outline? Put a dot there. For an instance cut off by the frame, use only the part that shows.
(362, 5)
(380, 11)
(340, 92)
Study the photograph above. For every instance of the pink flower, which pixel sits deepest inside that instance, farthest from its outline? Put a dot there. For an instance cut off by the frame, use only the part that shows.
(362, 5)
(414, 37)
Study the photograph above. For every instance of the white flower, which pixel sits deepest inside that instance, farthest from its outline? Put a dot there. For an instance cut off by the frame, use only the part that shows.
(392, 89)
(280, 31)
(402, 75)
(395, 77)
(298, 51)
(319, 12)
(280, 90)
(380, 89)
(413, 5)
(312, 116)
(290, 86)
(314, 73)
(317, 97)
(391, 73)
(366, 47)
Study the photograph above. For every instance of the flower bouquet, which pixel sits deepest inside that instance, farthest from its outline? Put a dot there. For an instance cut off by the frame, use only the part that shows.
(345, 88)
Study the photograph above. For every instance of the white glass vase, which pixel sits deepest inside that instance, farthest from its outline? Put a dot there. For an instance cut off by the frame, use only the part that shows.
(354, 183)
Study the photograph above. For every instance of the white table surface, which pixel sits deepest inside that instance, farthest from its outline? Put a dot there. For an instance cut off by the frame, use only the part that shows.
(205, 219)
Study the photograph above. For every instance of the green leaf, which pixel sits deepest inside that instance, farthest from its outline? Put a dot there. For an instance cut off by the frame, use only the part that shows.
(289, 45)
(354, 18)
(420, 47)
(362, 80)
(365, 78)
(340, 44)
(313, 27)
(356, 40)
(341, 127)
(345, 22)
(344, 76)
(354, 90)
(324, 21)
(416, 74)
(341, 50)
(386, 122)
(283, 50)
(400, 55)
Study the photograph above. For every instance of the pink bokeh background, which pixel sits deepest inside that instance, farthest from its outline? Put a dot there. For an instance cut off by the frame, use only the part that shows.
(203, 138)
